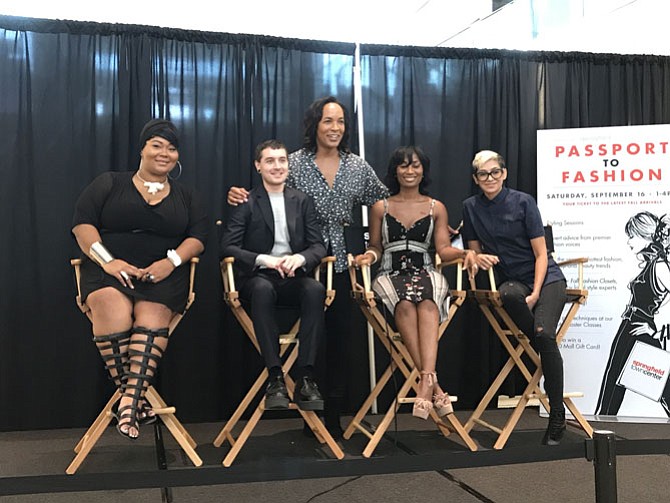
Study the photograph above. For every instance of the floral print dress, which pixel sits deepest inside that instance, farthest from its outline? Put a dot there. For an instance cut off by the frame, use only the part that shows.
(406, 269)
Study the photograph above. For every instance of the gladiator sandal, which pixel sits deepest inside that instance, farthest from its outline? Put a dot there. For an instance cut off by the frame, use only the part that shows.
(422, 407)
(139, 379)
(114, 351)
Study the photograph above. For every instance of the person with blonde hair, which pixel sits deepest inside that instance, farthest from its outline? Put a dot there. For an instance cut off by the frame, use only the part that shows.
(504, 227)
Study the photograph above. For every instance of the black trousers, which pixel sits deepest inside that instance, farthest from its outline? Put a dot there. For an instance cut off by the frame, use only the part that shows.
(267, 289)
(539, 325)
(338, 332)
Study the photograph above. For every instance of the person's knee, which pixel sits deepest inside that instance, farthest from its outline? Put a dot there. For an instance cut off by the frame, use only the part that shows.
(261, 290)
(545, 342)
(403, 309)
(314, 290)
(512, 293)
(427, 308)
(108, 300)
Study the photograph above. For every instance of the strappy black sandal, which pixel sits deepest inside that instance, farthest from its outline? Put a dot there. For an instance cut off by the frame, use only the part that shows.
(146, 415)
(142, 367)
(127, 417)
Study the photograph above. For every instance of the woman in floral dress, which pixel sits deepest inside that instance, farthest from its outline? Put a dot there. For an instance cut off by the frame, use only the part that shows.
(403, 230)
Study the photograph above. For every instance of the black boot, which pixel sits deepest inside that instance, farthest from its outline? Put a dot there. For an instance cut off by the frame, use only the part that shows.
(555, 428)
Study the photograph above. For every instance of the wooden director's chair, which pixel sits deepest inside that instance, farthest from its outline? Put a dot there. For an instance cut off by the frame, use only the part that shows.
(160, 408)
(286, 341)
(400, 360)
(517, 344)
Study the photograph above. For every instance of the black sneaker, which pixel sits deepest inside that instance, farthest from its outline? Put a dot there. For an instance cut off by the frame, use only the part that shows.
(276, 394)
(307, 394)
(555, 428)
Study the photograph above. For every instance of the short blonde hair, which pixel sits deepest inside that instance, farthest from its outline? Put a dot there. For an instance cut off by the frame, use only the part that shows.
(484, 156)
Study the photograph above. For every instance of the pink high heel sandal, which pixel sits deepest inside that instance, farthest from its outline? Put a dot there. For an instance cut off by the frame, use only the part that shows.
(422, 407)
(442, 402)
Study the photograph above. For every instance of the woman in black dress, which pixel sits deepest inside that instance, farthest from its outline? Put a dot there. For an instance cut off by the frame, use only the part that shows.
(403, 229)
(648, 236)
(135, 230)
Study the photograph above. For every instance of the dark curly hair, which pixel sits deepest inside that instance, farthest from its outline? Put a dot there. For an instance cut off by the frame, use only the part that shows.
(403, 155)
(313, 116)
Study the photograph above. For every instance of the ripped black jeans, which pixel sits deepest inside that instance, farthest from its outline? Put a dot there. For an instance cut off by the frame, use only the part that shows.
(540, 327)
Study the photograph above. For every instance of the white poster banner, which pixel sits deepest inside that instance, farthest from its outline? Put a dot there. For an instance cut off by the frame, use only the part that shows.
(606, 192)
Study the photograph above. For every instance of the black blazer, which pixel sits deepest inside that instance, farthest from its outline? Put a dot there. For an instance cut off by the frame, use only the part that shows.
(249, 230)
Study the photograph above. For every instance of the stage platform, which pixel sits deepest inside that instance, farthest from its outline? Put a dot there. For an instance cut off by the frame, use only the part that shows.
(413, 463)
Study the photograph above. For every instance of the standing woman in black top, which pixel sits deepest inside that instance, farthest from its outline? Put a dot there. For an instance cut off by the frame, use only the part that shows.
(648, 237)
(135, 230)
(338, 181)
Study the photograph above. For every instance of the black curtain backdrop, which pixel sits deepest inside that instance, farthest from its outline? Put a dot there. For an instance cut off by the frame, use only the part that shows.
(74, 96)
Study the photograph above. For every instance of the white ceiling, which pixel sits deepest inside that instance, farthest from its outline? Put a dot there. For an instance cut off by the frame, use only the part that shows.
(620, 26)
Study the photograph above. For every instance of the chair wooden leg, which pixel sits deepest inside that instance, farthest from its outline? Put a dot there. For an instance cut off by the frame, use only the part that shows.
(388, 417)
(103, 417)
(454, 424)
(93, 434)
(401, 361)
(518, 410)
(226, 431)
(91, 438)
(321, 432)
(461, 432)
(244, 435)
(355, 423)
(178, 431)
(581, 420)
(490, 394)
(310, 417)
(159, 405)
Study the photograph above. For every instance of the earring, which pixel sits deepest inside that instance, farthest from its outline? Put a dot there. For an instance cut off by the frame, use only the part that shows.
(179, 175)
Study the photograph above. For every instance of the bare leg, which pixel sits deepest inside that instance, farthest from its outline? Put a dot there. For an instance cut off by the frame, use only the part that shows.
(418, 326)
(407, 321)
(429, 322)
(112, 319)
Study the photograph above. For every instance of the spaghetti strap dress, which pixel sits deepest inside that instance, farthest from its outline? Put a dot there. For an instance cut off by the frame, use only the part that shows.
(406, 267)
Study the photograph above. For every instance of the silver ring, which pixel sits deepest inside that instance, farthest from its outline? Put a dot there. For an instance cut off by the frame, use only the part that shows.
(150, 277)
(125, 276)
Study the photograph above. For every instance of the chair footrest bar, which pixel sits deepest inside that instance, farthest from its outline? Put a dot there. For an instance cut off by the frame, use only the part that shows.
(488, 425)
(452, 398)
(572, 394)
(509, 402)
(165, 410)
(363, 430)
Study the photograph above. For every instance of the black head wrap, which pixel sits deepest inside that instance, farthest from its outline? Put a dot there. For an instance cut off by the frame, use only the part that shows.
(159, 127)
